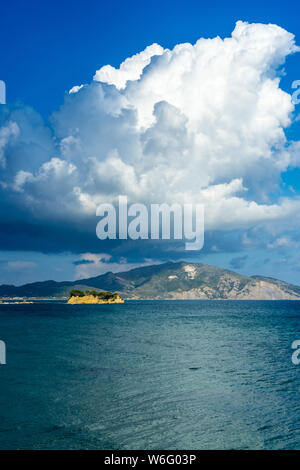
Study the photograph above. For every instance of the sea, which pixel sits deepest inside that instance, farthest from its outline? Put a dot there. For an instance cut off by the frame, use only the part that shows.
(150, 375)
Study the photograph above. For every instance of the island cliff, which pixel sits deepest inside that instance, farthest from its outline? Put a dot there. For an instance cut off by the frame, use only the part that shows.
(94, 297)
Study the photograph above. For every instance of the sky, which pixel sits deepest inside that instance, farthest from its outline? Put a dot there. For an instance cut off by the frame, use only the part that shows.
(162, 101)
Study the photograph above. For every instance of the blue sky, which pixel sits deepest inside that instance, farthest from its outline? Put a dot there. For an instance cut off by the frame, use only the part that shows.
(49, 47)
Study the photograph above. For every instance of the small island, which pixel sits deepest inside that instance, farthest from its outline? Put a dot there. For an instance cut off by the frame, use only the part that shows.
(94, 297)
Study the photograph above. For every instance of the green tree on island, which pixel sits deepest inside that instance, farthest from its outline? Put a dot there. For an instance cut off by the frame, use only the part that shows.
(76, 293)
(101, 294)
(92, 292)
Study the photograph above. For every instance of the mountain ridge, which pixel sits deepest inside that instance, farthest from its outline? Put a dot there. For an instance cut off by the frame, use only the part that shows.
(171, 280)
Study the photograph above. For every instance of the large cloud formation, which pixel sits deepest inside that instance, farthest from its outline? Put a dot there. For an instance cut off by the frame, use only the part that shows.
(201, 123)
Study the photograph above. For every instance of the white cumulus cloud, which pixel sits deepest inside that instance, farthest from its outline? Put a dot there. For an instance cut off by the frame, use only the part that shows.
(201, 123)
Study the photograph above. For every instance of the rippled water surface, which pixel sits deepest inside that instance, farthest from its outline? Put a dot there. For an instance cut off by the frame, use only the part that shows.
(150, 375)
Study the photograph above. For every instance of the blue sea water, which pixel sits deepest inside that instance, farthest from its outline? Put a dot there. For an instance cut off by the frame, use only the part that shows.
(150, 375)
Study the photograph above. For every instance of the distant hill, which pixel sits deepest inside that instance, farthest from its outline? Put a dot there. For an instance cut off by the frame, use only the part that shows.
(180, 280)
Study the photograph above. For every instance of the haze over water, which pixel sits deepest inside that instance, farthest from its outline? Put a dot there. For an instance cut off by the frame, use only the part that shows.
(150, 375)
